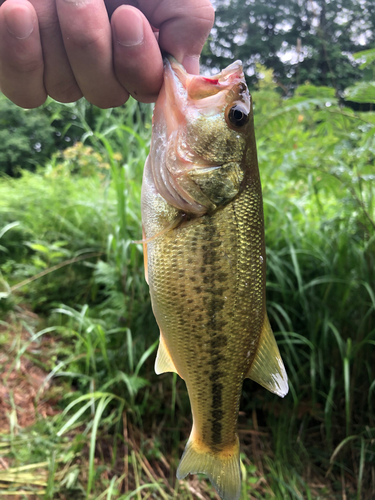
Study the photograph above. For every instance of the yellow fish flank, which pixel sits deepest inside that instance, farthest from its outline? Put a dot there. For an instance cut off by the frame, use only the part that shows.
(205, 260)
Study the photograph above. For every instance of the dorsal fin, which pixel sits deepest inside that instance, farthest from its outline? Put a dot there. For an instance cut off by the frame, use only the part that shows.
(267, 367)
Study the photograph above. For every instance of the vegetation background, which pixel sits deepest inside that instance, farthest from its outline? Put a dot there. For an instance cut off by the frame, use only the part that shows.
(82, 414)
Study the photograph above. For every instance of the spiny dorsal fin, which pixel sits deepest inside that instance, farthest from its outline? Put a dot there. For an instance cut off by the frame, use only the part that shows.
(268, 368)
(164, 362)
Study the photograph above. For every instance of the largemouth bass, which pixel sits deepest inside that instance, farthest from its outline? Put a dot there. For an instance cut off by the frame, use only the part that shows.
(205, 260)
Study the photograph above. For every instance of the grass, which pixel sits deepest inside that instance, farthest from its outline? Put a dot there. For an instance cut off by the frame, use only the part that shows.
(118, 430)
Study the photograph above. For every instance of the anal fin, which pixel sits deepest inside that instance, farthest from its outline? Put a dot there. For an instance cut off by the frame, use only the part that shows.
(164, 362)
(267, 368)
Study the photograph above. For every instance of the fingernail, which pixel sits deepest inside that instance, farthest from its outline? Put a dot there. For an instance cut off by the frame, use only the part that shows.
(20, 22)
(78, 3)
(129, 27)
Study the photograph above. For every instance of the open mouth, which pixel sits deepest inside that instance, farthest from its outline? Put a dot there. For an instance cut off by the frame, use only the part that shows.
(210, 94)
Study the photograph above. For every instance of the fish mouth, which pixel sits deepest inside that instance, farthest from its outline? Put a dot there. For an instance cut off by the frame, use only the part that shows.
(208, 94)
(199, 85)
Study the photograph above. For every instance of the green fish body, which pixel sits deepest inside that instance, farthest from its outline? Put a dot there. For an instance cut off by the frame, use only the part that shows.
(205, 259)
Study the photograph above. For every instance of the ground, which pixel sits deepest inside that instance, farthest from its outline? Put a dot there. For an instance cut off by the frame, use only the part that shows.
(34, 462)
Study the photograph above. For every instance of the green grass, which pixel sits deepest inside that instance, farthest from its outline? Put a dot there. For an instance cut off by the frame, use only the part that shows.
(67, 251)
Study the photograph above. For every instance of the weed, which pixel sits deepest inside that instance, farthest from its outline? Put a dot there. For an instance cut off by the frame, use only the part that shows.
(66, 248)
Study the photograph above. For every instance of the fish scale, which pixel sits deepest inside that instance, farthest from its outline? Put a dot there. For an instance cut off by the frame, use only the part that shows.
(203, 309)
(205, 261)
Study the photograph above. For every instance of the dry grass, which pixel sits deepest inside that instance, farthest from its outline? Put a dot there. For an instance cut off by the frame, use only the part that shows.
(24, 386)
(28, 397)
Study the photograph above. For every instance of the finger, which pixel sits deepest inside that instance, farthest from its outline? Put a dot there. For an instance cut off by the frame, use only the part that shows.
(21, 58)
(137, 58)
(59, 80)
(183, 27)
(88, 42)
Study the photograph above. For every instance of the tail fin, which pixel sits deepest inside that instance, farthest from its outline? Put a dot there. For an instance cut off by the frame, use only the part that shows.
(222, 468)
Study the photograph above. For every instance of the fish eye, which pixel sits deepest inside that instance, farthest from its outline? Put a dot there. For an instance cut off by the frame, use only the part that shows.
(237, 116)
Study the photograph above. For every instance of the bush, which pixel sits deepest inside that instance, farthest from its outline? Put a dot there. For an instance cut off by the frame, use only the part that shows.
(26, 138)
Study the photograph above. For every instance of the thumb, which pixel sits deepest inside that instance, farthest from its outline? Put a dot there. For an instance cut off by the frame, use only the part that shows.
(184, 26)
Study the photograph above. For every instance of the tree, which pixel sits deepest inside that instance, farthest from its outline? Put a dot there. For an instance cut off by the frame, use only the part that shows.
(26, 137)
(301, 40)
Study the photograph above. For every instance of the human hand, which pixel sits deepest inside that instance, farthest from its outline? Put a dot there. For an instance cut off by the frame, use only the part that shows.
(102, 50)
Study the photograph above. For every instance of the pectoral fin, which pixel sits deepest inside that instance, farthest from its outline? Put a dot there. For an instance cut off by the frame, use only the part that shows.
(175, 223)
(268, 368)
(164, 362)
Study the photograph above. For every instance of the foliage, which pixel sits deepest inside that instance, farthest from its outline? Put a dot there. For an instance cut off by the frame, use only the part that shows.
(318, 178)
(364, 91)
(300, 41)
(83, 214)
(68, 216)
(26, 137)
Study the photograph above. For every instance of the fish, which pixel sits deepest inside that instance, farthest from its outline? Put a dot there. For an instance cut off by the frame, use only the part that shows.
(205, 260)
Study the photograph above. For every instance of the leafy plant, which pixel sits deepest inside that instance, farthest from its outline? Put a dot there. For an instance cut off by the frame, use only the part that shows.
(26, 138)
(71, 255)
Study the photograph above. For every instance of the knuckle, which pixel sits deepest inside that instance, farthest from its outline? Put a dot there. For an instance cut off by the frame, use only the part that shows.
(87, 40)
(23, 62)
(107, 101)
(49, 26)
(147, 99)
(110, 103)
(26, 101)
(205, 17)
(65, 91)
(208, 13)
(32, 103)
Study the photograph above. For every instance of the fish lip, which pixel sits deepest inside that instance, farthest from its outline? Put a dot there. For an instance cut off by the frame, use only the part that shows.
(229, 76)
(208, 95)
(235, 68)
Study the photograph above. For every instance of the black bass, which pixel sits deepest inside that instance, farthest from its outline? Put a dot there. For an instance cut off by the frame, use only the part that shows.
(205, 260)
